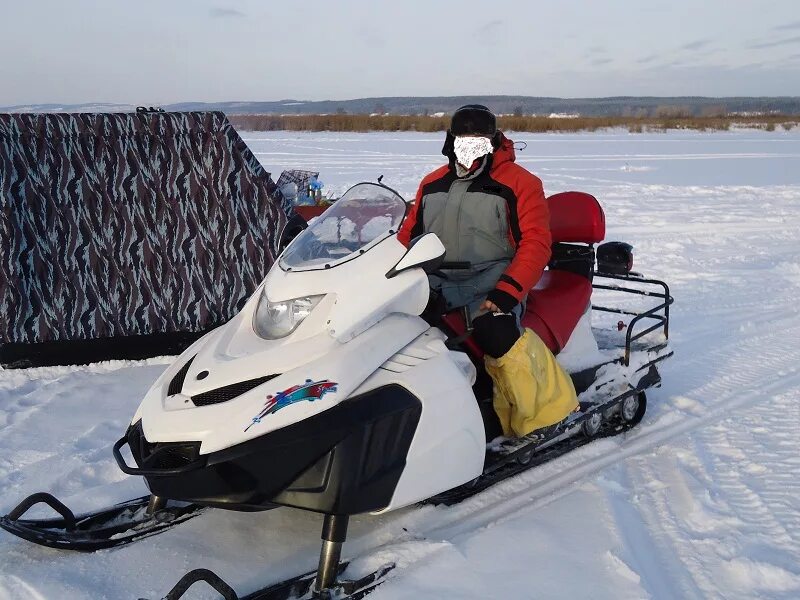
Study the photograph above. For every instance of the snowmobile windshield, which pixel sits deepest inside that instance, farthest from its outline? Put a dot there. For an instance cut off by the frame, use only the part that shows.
(366, 214)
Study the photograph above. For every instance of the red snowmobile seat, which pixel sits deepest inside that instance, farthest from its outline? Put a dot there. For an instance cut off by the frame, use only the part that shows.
(555, 306)
(576, 217)
(558, 300)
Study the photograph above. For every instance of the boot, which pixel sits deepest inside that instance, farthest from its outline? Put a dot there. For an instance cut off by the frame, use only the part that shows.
(531, 390)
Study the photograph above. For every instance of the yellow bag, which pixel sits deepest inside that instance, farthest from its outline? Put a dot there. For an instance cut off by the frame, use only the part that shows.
(531, 390)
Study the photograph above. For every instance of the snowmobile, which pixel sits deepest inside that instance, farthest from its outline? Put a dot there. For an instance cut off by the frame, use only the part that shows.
(329, 392)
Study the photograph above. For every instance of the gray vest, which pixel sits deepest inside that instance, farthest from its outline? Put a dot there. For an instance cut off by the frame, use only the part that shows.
(472, 223)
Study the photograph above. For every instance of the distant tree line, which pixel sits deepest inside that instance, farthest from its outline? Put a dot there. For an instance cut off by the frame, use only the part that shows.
(661, 119)
(618, 106)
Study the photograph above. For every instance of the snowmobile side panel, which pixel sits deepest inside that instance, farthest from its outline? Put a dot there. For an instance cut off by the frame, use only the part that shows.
(449, 445)
(345, 460)
(281, 400)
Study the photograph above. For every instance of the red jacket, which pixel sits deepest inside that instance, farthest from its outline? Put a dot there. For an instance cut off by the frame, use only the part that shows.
(528, 218)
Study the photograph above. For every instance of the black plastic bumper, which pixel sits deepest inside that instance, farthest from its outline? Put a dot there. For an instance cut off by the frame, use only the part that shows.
(346, 460)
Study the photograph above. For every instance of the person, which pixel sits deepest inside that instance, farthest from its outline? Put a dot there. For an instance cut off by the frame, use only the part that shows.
(492, 216)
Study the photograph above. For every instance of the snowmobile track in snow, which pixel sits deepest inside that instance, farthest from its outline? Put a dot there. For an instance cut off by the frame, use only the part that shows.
(756, 378)
(503, 501)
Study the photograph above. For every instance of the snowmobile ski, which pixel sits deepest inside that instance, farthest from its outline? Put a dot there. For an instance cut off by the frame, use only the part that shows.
(97, 530)
(295, 588)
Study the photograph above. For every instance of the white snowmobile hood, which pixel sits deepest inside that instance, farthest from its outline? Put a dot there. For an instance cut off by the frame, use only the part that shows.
(362, 320)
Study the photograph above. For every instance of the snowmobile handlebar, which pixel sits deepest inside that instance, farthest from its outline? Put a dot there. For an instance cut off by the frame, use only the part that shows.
(456, 265)
(144, 472)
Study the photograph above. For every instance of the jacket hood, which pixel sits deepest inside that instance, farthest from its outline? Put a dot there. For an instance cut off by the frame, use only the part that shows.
(502, 154)
(505, 152)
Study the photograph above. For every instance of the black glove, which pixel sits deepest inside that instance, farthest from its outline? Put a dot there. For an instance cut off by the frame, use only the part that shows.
(495, 333)
(503, 300)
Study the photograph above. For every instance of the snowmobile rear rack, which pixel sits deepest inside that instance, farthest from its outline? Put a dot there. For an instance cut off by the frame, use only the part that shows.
(659, 313)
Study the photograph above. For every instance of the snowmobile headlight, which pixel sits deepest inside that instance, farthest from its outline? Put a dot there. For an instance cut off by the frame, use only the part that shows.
(276, 320)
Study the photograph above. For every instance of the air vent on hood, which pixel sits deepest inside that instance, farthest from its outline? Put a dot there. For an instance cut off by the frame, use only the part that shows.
(228, 392)
(406, 359)
(176, 385)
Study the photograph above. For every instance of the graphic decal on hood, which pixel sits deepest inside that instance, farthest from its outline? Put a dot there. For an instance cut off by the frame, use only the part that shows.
(310, 390)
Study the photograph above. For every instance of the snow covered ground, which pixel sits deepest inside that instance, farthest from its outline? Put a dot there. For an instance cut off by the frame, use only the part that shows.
(702, 500)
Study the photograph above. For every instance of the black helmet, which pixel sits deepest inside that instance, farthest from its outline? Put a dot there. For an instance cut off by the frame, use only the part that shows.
(473, 119)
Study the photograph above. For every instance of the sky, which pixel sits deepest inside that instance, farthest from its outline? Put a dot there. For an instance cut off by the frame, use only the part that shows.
(167, 51)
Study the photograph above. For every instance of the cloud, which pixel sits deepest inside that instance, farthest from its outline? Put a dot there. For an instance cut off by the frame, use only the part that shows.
(787, 26)
(490, 34)
(594, 51)
(601, 61)
(368, 36)
(223, 13)
(695, 45)
(786, 42)
(756, 65)
(491, 28)
(689, 80)
(647, 59)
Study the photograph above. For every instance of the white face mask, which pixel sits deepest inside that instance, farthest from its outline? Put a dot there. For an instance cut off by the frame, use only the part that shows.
(467, 149)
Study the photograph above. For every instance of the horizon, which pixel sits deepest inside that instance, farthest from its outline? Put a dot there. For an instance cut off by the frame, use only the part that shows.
(57, 106)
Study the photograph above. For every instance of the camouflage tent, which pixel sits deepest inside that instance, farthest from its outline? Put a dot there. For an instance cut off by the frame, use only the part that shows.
(126, 234)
